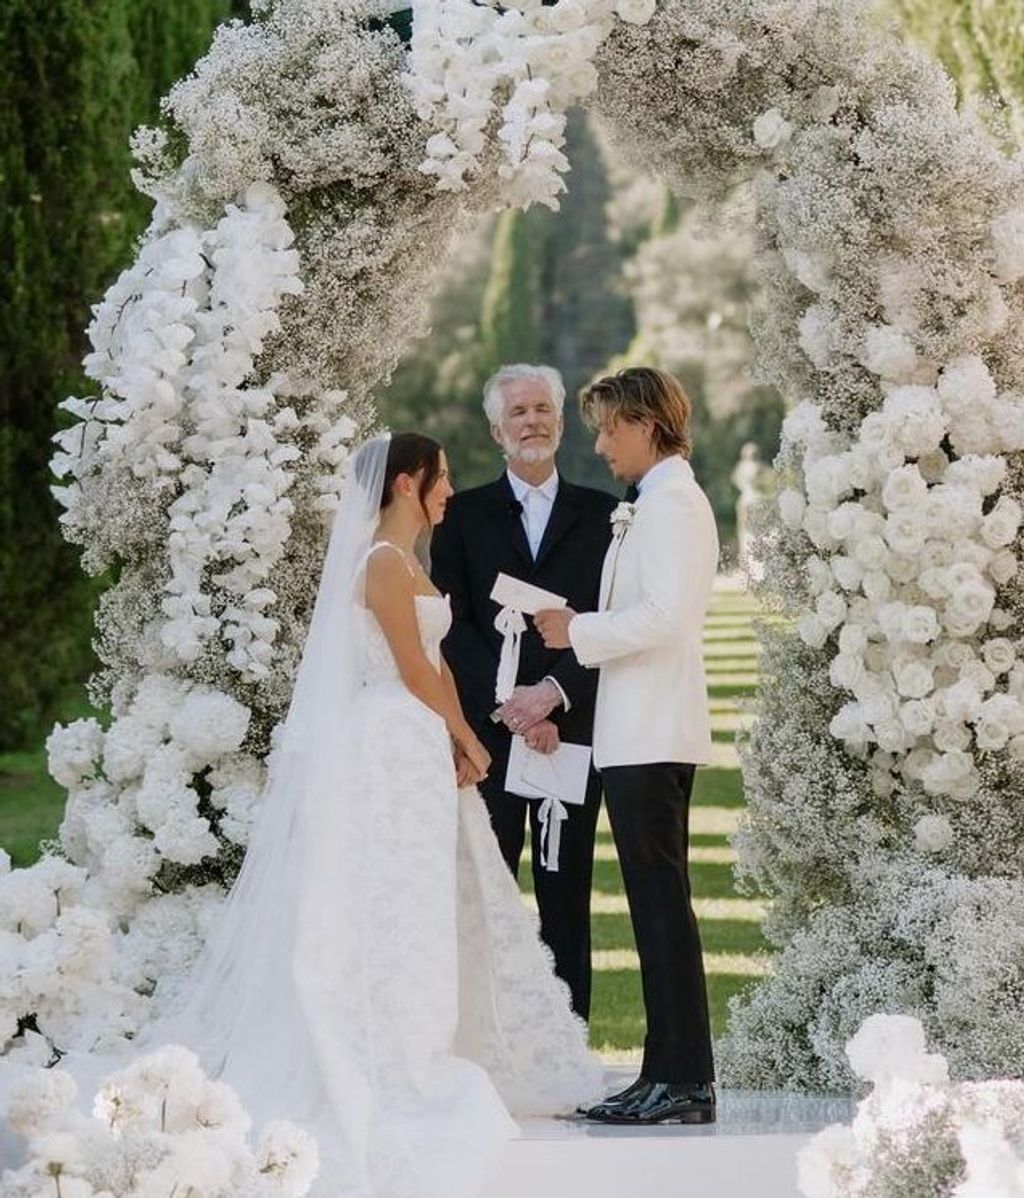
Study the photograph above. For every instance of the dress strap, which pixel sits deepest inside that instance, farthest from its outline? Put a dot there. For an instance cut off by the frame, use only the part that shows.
(391, 545)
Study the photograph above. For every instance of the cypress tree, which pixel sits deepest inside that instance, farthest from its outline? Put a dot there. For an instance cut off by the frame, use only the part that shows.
(77, 77)
(510, 318)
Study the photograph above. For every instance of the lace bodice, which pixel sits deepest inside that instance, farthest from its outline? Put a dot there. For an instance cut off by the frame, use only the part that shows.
(433, 612)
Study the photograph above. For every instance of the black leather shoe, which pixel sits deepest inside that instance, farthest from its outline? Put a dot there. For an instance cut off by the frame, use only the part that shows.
(615, 1101)
(661, 1102)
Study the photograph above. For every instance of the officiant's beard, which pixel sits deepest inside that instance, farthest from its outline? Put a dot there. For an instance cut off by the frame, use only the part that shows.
(531, 455)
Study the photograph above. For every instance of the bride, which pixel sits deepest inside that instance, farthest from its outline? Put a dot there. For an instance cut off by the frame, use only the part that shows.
(374, 974)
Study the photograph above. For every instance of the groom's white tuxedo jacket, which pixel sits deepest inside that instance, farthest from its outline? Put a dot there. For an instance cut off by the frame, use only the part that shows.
(646, 637)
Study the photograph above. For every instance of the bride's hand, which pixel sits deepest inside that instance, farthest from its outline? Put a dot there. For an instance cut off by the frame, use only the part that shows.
(466, 773)
(478, 757)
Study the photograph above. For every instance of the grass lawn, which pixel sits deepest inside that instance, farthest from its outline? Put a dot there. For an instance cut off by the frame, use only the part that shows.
(31, 805)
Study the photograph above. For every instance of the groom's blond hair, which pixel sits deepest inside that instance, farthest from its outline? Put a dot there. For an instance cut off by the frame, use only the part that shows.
(642, 393)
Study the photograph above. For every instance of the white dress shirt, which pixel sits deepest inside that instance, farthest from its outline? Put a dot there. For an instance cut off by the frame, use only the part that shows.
(537, 503)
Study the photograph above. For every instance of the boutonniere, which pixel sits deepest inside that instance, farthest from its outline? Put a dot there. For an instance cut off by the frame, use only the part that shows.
(622, 518)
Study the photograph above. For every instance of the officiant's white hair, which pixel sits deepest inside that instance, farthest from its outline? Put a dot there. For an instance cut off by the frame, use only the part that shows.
(494, 396)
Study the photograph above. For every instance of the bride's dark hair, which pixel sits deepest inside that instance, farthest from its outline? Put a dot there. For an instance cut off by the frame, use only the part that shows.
(409, 453)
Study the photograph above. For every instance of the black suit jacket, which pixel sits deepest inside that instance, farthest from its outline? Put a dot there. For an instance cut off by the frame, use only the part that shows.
(482, 535)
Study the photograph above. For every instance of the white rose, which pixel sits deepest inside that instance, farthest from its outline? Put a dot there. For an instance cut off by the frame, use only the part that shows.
(853, 639)
(918, 422)
(969, 607)
(1007, 710)
(959, 702)
(892, 736)
(979, 675)
(983, 472)
(933, 834)
(819, 576)
(918, 716)
(919, 625)
(1002, 567)
(849, 724)
(966, 384)
(1000, 620)
(812, 631)
(845, 520)
(831, 609)
(635, 12)
(914, 679)
(950, 736)
(902, 567)
(950, 773)
(904, 488)
(905, 534)
(848, 573)
(871, 552)
(567, 15)
(991, 733)
(816, 527)
(771, 129)
(889, 353)
(877, 585)
(846, 671)
(1000, 526)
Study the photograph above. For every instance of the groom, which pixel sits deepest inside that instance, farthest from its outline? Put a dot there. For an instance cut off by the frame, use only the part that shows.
(533, 524)
(652, 726)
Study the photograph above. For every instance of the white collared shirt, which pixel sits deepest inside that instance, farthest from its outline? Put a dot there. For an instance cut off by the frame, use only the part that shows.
(537, 503)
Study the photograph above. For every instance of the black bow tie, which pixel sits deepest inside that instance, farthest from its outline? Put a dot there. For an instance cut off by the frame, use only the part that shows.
(515, 507)
(632, 493)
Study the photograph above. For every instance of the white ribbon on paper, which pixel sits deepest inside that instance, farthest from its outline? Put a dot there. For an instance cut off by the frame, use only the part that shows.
(511, 623)
(552, 814)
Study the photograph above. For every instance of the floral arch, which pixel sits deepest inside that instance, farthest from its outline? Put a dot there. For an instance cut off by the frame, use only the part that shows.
(308, 179)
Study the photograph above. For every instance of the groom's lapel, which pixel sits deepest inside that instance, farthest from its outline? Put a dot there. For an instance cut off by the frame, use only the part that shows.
(507, 515)
(564, 514)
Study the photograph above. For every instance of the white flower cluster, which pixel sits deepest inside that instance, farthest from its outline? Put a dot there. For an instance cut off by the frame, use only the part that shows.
(175, 344)
(915, 1134)
(133, 811)
(537, 58)
(159, 1127)
(912, 544)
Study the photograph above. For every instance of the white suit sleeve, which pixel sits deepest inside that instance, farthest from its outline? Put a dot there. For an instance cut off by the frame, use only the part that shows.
(677, 556)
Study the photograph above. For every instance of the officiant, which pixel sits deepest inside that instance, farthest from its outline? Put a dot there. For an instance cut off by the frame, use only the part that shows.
(532, 524)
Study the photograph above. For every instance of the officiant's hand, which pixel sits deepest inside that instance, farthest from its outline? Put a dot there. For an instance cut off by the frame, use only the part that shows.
(543, 737)
(529, 705)
(553, 626)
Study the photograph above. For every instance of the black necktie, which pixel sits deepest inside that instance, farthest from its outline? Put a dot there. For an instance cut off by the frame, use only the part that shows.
(632, 493)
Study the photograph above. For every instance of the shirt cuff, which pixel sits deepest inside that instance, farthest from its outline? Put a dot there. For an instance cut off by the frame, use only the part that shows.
(558, 686)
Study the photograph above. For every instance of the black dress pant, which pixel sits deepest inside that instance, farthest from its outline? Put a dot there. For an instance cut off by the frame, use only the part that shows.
(649, 807)
(563, 896)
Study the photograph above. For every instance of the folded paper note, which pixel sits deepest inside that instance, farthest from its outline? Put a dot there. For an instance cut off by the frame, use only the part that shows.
(554, 778)
(523, 596)
(515, 597)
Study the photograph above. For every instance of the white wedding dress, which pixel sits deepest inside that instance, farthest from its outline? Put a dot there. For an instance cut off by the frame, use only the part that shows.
(466, 1020)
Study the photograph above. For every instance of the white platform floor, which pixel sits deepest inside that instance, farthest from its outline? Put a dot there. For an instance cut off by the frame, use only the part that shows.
(749, 1152)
